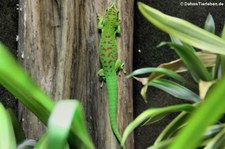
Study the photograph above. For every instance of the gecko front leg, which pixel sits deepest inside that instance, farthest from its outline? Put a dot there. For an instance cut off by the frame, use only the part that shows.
(100, 22)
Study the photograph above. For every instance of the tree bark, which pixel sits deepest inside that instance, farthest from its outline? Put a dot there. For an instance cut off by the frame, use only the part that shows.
(58, 46)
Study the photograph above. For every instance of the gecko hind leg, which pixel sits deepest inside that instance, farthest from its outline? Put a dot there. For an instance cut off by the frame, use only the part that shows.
(118, 29)
(119, 66)
(102, 76)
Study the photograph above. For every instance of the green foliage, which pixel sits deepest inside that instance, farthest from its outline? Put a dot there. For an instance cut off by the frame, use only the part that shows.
(175, 89)
(153, 115)
(183, 30)
(208, 113)
(7, 138)
(202, 127)
(66, 122)
(197, 69)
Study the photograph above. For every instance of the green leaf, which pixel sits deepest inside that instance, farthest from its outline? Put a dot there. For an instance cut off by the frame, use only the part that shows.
(218, 141)
(43, 143)
(155, 119)
(208, 112)
(7, 138)
(177, 41)
(21, 86)
(175, 90)
(210, 24)
(151, 113)
(183, 30)
(159, 72)
(211, 131)
(60, 122)
(161, 145)
(163, 71)
(208, 59)
(192, 62)
(222, 57)
(19, 133)
(80, 130)
(216, 67)
(27, 144)
(173, 126)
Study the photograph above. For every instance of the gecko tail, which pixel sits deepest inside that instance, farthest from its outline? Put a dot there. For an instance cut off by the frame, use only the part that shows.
(112, 88)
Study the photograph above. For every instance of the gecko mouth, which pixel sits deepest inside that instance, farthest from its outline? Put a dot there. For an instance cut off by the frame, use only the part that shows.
(113, 6)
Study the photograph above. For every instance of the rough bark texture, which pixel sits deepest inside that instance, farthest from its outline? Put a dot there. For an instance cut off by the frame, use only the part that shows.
(86, 83)
(58, 45)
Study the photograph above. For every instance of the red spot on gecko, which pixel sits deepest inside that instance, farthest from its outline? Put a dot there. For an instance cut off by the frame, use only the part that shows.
(109, 54)
(110, 61)
(104, 62)
(107, 36)
(109, 48)
(109, 42)
(105, 49)
(103, 54)
(104, 42)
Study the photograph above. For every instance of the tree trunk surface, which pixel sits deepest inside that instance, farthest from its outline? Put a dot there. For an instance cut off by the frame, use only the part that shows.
(58, 46)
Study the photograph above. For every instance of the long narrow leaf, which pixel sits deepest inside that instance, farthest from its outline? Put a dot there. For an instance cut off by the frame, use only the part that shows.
(183, 30)
(60, 122)
(80, 130)
(43, 143)
(208, 112)
(192, 62)
(175, 90)
(207, 59)
(177, 41)
(217, 142)
(33, 97)
(151, 113)
(210, 24)
(163, 71)
(161, 145)
(27, 144)
(222, 57)
(23, 87)
(19, 133)
(172, 127)
(7, 137)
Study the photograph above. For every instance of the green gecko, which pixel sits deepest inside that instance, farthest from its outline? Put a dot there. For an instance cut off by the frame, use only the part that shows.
(109, 24)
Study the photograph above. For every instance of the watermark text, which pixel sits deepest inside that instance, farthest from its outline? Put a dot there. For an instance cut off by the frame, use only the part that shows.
(191, 4)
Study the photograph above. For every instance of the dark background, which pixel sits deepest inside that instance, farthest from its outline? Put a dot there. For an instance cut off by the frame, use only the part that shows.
(146, 37)
(8, 32)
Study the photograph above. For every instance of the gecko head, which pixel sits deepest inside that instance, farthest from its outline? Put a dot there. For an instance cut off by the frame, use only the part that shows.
(112, 8)
(112, 15)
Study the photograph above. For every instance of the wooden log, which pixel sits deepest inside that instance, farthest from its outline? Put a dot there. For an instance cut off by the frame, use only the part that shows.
(58, 45)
